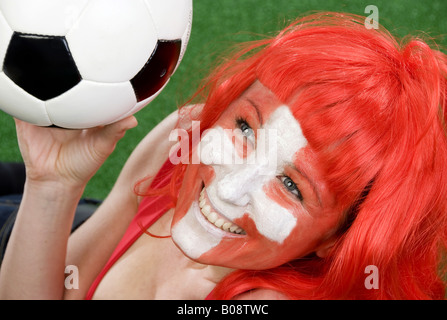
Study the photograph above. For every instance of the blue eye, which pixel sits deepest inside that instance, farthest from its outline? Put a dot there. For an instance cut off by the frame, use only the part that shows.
(292, 187)
(245, 128)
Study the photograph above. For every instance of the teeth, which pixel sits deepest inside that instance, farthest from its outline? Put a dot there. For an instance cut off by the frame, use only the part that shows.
(212, 217)
(206, 210)
(226, 226)
(233, 228)
(219, 223)
(215, 219)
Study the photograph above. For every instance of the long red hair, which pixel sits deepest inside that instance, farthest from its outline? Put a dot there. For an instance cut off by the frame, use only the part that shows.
(374, 111)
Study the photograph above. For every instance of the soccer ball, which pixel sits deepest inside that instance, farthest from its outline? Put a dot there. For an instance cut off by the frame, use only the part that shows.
(83, 63)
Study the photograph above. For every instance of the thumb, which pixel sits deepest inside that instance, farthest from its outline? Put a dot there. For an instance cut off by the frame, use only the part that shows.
(119, 128)
(109, 135)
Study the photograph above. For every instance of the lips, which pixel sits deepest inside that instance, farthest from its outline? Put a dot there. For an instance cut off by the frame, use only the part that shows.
(215, 218)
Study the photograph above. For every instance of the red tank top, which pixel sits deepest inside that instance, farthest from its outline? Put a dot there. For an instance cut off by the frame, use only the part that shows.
(149, 211)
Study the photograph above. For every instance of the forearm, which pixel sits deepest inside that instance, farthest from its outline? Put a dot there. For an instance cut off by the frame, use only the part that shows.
(34, 262)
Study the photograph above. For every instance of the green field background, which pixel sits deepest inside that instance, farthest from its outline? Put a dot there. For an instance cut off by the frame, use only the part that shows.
(219, 24)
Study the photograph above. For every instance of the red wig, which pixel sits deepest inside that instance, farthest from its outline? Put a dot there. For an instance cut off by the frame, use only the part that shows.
(374, 111)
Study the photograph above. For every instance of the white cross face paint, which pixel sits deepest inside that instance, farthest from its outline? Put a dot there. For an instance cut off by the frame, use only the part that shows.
(239, 186)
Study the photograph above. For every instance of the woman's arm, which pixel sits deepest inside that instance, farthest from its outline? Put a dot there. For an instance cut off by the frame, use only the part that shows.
(41, 246)
(92, 244)
(59, 164)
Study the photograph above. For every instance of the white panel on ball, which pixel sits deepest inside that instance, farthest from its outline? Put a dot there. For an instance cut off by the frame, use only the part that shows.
(185, 39)
(170, 18)
(107, 34)
(5, 37)
(46, 17)
(90, 104)
(18, 103)
(140, 105)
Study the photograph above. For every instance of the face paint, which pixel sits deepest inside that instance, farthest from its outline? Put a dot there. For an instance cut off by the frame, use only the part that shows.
(189, 232)
(235, 217)
(238, 189)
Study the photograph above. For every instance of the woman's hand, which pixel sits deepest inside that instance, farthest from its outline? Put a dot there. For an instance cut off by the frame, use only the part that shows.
(70, 157)
(59, 164)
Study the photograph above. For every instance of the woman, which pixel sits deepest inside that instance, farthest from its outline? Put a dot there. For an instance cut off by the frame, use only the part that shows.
(351, 125)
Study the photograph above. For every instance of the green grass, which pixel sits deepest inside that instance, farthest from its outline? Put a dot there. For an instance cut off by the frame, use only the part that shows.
(220, 23)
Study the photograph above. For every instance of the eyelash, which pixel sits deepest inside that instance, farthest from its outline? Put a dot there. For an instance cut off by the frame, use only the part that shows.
(291, 187)
(244, 126)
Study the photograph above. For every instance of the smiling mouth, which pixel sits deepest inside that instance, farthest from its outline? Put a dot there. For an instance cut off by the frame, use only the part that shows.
(216, 219)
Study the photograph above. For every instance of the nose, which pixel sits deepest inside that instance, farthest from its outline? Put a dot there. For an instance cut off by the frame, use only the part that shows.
(236, 180)
(234, 188)
(239, 183)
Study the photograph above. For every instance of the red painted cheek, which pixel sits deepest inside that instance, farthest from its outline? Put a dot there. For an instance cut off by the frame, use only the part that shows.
(207, 174)
(275, 191)
(249, 226)
(252, 251)
(264, 252)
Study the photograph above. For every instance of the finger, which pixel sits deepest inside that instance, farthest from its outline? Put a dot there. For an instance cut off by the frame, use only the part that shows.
(118, 129)
(127, 123)
(109, 135)
(19, 123)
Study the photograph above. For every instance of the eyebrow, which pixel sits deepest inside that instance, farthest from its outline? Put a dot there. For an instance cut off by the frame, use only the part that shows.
(255, 105)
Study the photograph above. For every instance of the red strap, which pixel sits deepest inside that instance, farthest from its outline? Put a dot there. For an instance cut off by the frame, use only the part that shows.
(149, 211)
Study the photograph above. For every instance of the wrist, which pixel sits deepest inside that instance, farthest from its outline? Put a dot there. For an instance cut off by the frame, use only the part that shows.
(49, 206)
(53, 190)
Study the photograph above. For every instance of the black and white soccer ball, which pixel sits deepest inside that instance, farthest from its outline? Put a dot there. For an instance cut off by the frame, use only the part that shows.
(83, 63)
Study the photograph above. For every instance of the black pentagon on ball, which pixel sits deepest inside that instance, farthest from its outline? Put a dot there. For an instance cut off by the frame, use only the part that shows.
(41, 65)
(158, 69)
